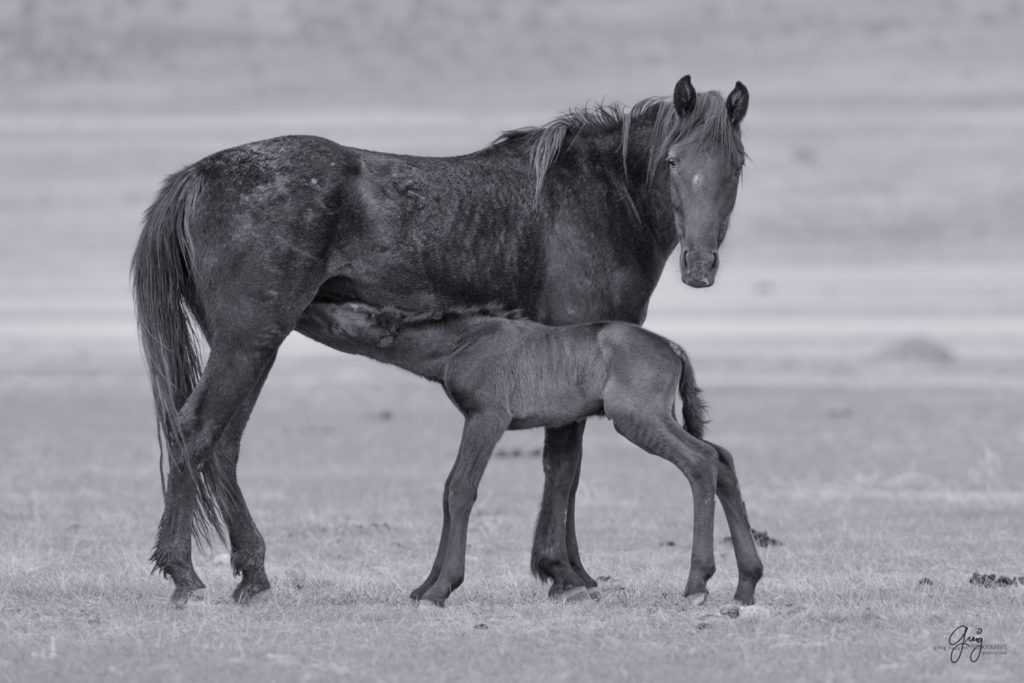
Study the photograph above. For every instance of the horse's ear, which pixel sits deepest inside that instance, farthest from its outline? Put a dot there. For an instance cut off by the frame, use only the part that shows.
(736, 103)
(685, 97)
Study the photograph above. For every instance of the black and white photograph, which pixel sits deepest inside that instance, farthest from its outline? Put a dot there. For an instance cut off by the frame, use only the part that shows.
(337, 337)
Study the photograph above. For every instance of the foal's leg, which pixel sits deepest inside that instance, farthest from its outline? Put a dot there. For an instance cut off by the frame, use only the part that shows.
(479, 436)
(747, 561)
(442, 547)
(555, 534)
(247, 546)
(664, 437)
(230, 375)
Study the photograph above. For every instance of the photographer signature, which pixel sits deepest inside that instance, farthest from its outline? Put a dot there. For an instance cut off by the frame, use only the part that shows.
(961, 639)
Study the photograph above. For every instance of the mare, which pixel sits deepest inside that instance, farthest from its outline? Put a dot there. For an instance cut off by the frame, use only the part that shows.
(504, 372)
(570, 222)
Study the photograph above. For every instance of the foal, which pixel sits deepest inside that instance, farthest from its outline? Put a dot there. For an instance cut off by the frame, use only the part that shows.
(506, 372)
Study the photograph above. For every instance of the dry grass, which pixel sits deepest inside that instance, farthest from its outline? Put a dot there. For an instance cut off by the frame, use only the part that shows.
(351, 529)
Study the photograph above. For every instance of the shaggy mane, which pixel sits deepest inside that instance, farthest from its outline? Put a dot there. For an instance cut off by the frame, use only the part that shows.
(706, 127)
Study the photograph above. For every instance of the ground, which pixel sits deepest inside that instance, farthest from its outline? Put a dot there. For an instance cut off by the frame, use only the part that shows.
(870, 486)
(862, 351)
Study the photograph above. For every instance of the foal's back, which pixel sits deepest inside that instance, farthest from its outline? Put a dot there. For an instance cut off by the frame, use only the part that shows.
(543, 376)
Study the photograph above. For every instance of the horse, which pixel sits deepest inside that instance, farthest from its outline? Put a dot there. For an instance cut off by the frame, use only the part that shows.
(571, 221)
(504, 371)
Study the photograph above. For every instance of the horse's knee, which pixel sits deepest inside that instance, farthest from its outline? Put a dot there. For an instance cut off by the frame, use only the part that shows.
(702, 467)
(460, 495)
(723, 456)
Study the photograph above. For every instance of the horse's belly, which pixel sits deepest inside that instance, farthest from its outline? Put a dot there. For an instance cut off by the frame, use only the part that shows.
(555, 413)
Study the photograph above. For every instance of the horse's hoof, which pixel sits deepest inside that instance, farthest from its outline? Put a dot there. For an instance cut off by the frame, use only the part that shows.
(697, 599)
(573, 594)
(744, 594)
(248, 589)
(429, 603)
(594, 593)
(181, 595)
(244, 595)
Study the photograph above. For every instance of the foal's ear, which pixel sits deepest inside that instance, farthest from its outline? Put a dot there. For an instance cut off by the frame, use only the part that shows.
(685, 97)
(736, 103)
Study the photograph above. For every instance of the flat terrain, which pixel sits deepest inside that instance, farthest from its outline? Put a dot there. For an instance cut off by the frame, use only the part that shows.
(871, 486)
(862, 351)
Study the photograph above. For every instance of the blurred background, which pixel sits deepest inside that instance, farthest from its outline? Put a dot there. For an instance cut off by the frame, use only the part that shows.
(878, 225)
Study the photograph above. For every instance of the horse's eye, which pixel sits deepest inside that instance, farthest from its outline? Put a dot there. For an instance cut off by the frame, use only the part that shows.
(671, 161)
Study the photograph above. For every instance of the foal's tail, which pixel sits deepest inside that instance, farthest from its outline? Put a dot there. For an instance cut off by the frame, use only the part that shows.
(694, 408)
(165, 295)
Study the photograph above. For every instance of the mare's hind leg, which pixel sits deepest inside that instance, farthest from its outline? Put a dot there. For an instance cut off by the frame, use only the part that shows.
(247, 546)
(747, 561)
(172, 553)
(664, 437)
(551, 559)
(231, 373)
(479, 437)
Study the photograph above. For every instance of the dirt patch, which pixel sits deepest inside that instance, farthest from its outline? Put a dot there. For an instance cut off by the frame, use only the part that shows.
(993, 581)
(760, 537)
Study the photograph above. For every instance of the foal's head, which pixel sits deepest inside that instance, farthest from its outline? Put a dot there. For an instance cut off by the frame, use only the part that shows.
(704, 156)
(356, 322)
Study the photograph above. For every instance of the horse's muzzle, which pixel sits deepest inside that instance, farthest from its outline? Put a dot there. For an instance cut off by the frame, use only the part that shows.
(699, 267)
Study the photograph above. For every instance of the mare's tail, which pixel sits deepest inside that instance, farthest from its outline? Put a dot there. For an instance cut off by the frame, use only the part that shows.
(694, 408)
(165, 296)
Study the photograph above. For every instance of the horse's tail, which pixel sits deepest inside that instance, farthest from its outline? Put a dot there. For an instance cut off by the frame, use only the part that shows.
(694, 408)
(165, 294)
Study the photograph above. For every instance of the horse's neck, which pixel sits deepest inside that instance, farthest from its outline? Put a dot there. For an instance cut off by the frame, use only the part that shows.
(646, 206)
(425, 348)
(651, 196)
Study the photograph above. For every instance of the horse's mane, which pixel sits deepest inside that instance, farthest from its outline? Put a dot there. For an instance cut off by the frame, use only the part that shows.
(707, 126)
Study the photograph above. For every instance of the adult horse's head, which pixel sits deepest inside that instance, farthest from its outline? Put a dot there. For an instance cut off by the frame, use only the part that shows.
(704, 155)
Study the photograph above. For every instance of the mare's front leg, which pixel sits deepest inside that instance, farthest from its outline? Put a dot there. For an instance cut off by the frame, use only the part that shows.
(556, 556)
(748, 562)
(479, 436)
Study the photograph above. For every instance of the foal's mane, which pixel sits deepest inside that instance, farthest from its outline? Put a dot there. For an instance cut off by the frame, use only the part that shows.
(706, 127)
